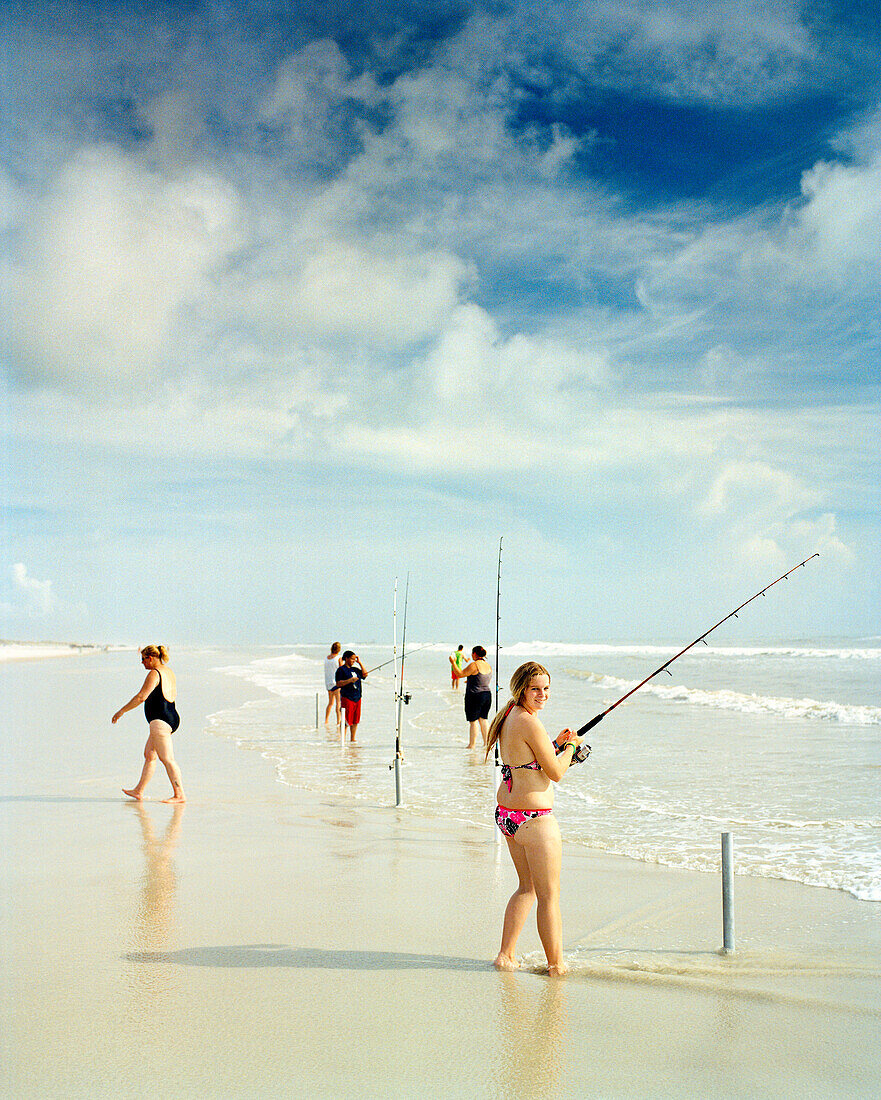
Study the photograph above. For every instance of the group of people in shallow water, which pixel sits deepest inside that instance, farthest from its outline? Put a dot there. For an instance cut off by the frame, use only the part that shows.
(531, 764)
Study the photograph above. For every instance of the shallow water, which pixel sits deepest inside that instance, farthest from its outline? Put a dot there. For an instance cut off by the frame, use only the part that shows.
(778, 744)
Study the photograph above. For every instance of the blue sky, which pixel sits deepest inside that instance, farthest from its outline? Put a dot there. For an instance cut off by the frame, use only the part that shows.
(301, 297)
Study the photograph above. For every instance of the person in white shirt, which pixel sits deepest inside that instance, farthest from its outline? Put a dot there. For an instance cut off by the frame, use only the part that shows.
(331, 663)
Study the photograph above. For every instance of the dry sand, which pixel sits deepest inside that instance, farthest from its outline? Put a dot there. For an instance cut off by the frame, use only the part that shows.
(263, 942)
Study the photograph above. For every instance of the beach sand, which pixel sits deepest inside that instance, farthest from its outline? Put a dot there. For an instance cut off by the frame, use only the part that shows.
(262, 941)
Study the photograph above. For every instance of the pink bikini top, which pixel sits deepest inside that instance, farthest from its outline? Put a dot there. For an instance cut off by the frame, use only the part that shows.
(507, 769)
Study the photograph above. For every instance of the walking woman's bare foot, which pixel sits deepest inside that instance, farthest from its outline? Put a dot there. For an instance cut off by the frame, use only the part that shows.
(177, 798)
(558, 971)
(133, 794)
(505, 962)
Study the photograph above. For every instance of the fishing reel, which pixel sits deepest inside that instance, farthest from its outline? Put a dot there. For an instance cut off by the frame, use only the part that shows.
(405, 698)
(579, 756)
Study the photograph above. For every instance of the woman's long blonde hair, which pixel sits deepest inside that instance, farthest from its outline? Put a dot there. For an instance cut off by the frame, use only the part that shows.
(156, 651)
(519, 683)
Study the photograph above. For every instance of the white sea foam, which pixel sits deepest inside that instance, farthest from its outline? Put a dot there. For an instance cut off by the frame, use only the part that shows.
(35, 651)
(537, 650)
(745, 703)
(288, 675)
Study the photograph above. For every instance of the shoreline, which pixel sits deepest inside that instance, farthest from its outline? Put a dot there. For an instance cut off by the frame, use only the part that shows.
(39, 651)
(268, 940)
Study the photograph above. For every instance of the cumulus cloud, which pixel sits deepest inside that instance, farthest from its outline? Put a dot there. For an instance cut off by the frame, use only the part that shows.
(772, 516)
(38, 596)
(473, 364)
(370, 290)
(111, 258)
(822, 533)
(758, 488)
(349, 246)
(778, 547)
(841, 222)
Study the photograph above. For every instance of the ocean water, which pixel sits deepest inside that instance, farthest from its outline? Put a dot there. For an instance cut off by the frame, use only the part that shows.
(778, 744)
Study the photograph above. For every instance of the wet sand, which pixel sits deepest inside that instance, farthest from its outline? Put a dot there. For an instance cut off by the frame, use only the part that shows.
(262, 941)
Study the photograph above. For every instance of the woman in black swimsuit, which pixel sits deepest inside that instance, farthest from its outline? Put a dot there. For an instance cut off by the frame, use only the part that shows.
(158, 694)
(478, 696)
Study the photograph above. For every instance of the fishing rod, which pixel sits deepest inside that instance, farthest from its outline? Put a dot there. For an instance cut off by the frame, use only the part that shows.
(581, 753)
(393, 659)
(400, 697)
(394, 643)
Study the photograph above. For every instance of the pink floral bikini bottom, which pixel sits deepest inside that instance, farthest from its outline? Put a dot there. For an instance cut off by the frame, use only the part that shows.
(509, 821)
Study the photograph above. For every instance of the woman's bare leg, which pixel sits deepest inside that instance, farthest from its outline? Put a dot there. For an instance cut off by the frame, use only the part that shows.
(517, 909)
(543, 848)
(161, 735)
(333, 697)
(473, 727)
(150, 758)
(484, 729)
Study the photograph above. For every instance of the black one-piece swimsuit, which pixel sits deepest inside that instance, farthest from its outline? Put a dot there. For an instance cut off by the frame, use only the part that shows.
(156, 706)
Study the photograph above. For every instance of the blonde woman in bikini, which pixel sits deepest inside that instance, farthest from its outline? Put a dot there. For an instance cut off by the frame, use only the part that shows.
(158, 694)
(531, 764)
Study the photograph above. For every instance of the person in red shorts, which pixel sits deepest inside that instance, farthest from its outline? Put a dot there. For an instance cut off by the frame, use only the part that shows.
(348, 680)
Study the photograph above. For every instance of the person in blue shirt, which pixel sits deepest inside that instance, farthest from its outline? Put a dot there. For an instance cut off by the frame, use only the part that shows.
(348, 679)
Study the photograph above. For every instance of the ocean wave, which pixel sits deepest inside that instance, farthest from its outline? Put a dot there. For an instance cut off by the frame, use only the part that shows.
(289, 675)
(700, 821)
(850, 713)
(536, 650)
(861, 879)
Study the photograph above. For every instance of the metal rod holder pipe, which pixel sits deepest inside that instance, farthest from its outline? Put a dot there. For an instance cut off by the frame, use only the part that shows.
(727, 895)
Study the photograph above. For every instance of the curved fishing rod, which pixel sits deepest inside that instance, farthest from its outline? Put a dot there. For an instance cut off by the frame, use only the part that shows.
(393, 659)
(581, 753)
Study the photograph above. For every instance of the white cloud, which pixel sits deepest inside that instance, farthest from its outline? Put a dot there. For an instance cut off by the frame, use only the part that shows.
(762, 553)
(563, 149)
(113, 255)
(821, 535)
(38, 595)
(443, 114)
(716, 51)
(379, 292)
(774, 264)
(305, 84)
(767, 516)
(473, 365)
(783, 544)
(841, 223)
(758, 489)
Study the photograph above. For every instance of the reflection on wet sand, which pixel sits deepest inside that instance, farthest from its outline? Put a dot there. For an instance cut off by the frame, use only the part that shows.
(533, 1022)
(152, 922)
